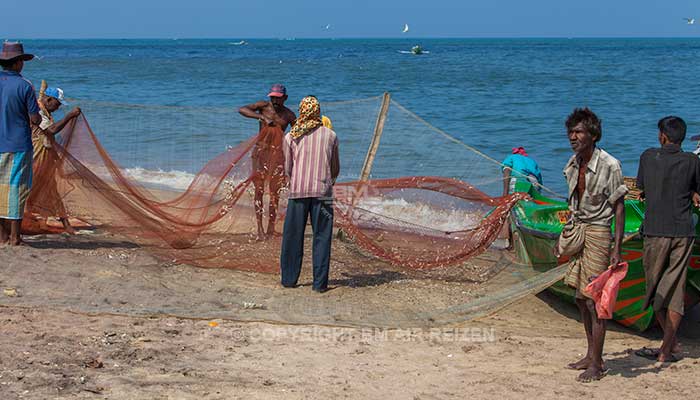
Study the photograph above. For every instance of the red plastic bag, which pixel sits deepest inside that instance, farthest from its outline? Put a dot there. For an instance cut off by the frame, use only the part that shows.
(603, 290)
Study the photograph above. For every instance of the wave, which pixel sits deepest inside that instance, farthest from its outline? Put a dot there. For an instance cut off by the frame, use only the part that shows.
(411, 212)
(174, 179)
(423, 214)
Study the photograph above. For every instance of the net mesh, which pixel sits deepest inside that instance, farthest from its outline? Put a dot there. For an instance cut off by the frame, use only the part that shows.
(206, 217)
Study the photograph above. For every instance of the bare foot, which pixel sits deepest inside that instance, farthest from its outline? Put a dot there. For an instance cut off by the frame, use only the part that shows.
(676, 348)
(667, 358)
(592, 373)
(580, 364)
(66, 226)
(17, 242)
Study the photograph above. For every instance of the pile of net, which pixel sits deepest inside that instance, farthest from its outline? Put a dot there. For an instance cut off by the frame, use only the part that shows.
(415, 222)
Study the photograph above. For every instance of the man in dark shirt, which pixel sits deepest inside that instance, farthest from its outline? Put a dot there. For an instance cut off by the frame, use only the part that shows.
(18, 108)
(670, 180)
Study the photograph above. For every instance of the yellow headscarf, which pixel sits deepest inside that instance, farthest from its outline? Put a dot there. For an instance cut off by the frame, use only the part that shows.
(327, 122)
(309, 117)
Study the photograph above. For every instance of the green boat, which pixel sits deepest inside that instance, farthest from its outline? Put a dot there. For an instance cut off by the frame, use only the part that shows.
(536, 226)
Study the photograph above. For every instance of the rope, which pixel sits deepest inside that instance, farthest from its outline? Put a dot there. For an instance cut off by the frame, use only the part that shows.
(90, 102)
(461, 143)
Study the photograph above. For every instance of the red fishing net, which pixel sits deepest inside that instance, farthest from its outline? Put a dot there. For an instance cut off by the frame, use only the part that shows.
(412, 222)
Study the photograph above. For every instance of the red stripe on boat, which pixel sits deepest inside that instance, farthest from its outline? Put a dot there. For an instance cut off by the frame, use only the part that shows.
(631, 255)
(620, 304)
(633, 282)
(631, 320)
(694, 263)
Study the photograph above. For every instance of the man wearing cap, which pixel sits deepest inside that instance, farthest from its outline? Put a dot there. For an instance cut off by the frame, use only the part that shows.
(267, 155)
(670, 180)
(18, 108)
(44, 199)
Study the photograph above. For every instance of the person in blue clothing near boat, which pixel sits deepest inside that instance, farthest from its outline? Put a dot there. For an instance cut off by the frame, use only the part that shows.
(518, 166)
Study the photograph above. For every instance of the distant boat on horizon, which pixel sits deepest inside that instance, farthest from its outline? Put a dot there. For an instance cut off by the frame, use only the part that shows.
(241, 43)
(415, 50)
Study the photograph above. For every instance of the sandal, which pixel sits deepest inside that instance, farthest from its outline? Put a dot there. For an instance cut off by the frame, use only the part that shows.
(674, 358)
(648, 353)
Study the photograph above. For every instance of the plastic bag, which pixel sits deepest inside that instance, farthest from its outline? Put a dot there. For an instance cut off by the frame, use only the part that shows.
(603, 290)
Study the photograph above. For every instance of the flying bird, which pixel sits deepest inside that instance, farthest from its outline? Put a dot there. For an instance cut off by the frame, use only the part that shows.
(327, 27)
(405, 28)
(690, 21)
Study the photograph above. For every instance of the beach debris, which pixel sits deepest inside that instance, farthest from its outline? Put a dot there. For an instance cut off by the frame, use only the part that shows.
(10, 292)
(213, 324)
(95, 390)
(253, 306)
(95, 363)
(468, 348)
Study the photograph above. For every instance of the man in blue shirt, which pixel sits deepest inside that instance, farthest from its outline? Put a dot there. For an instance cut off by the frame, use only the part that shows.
(18, 109)
(519, 166)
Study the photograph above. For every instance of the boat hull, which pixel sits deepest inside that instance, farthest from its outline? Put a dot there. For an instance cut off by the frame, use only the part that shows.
(536, 226)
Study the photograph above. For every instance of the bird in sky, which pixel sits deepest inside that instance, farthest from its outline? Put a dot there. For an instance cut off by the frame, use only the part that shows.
(405, 28)
(689, 21)
(327, 27)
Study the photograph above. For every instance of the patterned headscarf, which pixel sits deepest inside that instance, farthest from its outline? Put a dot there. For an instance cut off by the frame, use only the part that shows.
(309, 117)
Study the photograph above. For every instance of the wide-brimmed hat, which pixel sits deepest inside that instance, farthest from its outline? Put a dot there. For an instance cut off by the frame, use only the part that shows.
(12, 50)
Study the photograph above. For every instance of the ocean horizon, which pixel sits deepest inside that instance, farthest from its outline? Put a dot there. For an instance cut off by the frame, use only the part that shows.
(490, 93)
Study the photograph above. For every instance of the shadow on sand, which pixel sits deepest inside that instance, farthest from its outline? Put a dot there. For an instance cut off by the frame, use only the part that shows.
(626, 363)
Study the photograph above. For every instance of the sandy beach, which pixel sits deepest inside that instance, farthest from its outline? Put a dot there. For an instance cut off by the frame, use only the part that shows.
(95, 317)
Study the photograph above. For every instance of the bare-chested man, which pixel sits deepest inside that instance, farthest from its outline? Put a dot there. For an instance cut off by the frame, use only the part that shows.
(268, 158)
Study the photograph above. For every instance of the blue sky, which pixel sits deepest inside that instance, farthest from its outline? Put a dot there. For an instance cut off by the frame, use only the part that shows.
(349, 18)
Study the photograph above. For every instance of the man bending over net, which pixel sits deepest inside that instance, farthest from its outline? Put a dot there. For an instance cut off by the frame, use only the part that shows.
(267, 155)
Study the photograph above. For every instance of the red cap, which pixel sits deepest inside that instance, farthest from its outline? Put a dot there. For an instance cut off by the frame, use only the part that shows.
(277, 90)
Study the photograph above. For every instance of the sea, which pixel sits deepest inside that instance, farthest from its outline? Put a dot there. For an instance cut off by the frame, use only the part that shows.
(162, 108)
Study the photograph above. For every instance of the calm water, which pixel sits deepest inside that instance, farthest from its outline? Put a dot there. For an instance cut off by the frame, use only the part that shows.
(492, 94)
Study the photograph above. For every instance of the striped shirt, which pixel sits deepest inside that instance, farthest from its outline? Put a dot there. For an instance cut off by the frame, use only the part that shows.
(311, 163)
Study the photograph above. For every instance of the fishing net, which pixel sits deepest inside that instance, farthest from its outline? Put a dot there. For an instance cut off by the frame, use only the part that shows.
(207, 216)
(414, 242)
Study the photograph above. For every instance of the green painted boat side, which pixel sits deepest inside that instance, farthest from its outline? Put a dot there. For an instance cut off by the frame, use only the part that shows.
(536, 225)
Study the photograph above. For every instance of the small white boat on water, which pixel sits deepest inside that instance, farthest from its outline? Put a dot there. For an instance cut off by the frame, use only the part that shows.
(415, 50)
